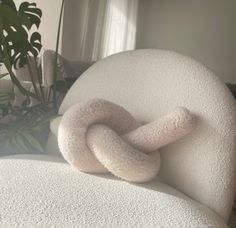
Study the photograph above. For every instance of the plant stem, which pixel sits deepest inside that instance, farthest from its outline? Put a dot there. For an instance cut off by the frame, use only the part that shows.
(32, 78)
(56, 57)
(39, 80)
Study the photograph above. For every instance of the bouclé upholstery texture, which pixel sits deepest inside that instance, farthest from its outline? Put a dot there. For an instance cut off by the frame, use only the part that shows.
(47, 192)
(151, 83)
(101, 136)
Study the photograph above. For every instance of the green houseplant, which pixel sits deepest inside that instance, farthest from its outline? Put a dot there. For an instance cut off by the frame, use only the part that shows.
(16, 43)
(24, 129)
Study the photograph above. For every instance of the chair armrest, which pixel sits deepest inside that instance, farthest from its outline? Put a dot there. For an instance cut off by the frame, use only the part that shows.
(52, 144)
(54, 125)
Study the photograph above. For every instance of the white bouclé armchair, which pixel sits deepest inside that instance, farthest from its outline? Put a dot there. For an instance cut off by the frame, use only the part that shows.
(196, 184)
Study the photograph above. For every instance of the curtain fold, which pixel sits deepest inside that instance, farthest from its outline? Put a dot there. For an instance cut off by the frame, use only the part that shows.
(109, 26)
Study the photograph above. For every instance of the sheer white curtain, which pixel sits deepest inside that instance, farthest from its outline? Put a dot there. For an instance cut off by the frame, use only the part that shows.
(109, 26)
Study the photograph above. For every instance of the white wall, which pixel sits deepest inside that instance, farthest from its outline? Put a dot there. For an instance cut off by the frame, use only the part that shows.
(50, 20)
(202, 29)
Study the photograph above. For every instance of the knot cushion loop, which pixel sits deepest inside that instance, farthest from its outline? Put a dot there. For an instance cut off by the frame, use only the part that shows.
(102, 136)
(120, 158)
(72, 132)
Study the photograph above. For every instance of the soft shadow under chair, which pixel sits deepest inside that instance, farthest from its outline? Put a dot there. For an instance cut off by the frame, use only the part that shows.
(196, 184)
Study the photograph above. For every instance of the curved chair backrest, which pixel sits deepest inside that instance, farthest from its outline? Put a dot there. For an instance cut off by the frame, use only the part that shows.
(149, 84)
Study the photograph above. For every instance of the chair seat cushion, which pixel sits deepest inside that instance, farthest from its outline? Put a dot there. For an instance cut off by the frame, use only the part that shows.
(45, 191)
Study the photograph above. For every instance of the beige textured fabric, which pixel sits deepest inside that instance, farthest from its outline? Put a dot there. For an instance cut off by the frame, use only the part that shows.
(101, 136)
(151, 83)
(43, 191)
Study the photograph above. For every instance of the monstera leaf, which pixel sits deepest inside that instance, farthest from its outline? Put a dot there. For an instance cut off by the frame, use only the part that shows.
(29, 10)
(16, 43)
(23, 48)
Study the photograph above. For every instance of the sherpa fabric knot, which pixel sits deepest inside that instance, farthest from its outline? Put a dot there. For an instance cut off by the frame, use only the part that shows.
(101, 137)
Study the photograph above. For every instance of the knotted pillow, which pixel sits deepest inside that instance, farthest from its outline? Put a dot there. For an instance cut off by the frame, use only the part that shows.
(101, 137)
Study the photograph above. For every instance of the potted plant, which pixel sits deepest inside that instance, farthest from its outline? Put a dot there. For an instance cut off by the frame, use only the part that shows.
(24, 128)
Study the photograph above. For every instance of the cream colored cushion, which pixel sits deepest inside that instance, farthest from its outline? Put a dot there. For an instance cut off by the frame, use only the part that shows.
(43, 191)
(101, 137)
(150, 83)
